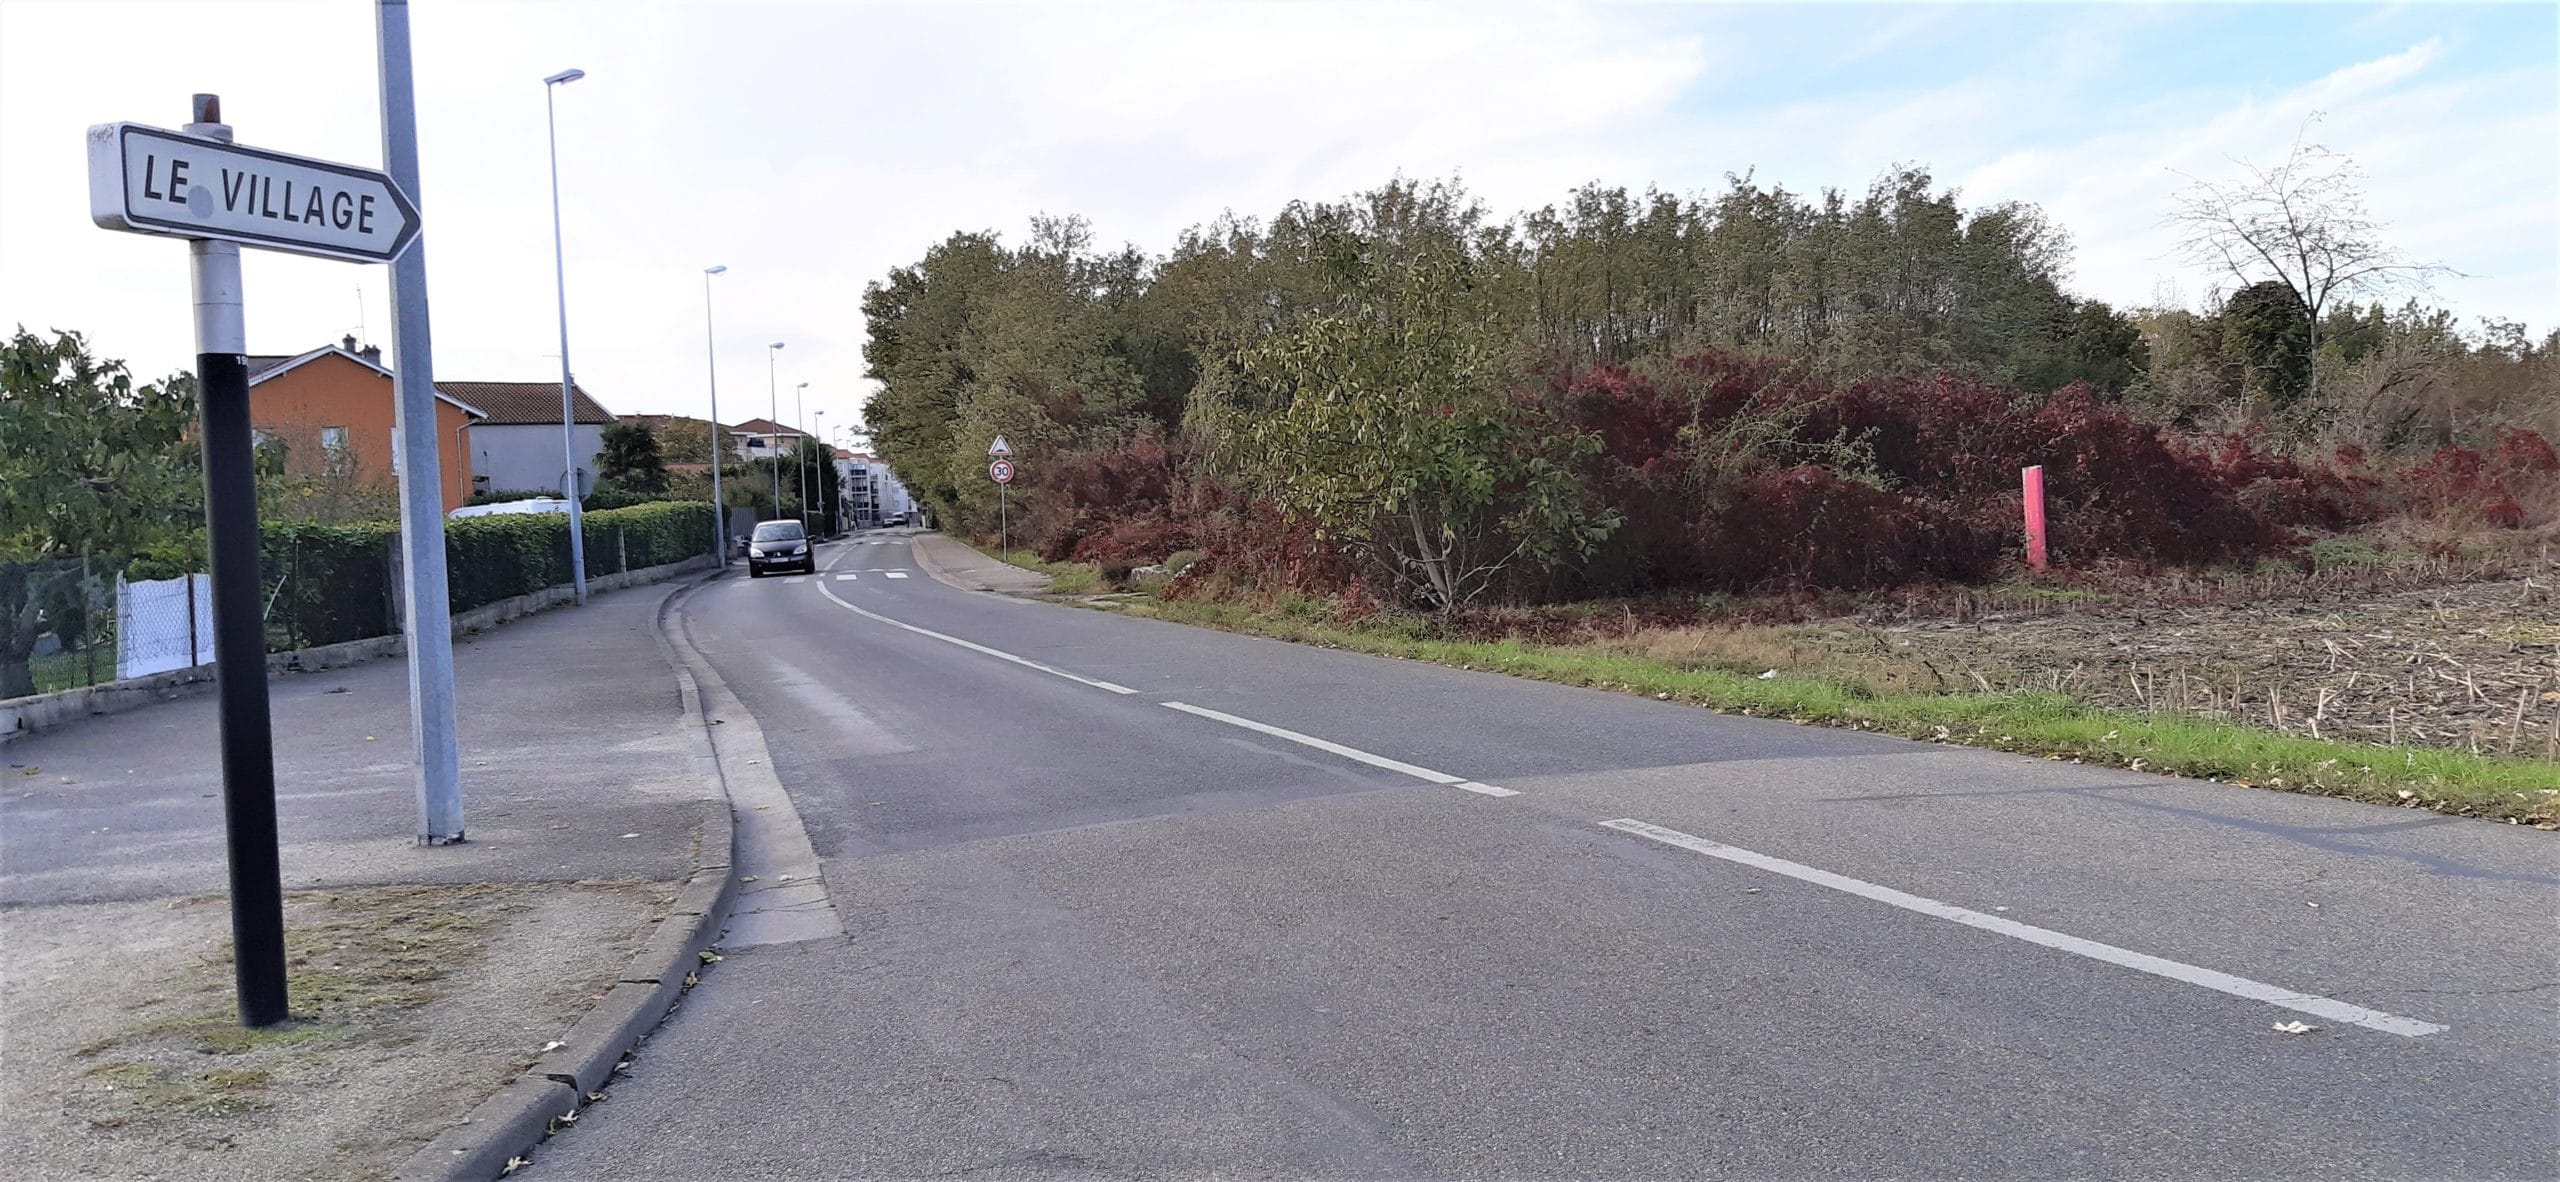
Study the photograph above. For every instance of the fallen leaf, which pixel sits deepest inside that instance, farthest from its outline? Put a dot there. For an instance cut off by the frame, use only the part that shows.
(710, 957)
(631, 835)
(749, 878)
(368, 738)
(514, 1164)
(2295, 1028)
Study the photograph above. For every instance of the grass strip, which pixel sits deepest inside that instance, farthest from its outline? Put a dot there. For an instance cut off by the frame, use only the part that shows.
(2518, 791)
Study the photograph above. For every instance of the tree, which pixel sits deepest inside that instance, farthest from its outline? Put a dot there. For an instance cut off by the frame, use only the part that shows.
(93, 467)
(630, 458)
(1400, 442)
(2266, 329)
(2303, 224)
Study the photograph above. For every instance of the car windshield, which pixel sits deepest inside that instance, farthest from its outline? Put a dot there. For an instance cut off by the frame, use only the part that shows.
(779, 531)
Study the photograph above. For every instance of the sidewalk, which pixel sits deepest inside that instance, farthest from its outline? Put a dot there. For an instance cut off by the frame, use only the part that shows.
(423, 979)
(961, 566)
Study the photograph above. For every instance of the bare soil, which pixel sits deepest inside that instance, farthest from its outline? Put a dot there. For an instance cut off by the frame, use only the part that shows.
(410, 1003)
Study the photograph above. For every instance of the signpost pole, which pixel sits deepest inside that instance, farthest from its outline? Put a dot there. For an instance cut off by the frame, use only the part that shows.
(239, 623)
(426, 620)
(1004, 527)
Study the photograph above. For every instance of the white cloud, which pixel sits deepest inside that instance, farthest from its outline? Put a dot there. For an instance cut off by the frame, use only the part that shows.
(812, 147)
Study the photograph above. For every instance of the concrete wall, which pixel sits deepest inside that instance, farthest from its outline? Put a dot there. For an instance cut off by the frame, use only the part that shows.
(527, 456)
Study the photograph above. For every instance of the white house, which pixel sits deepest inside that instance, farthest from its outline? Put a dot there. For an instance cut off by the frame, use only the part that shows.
(517, 447)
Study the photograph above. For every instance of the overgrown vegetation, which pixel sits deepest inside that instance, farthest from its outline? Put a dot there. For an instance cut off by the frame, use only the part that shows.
(1398, 400)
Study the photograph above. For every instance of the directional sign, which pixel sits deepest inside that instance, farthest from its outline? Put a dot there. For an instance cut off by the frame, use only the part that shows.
(1001, 471)
(150, 181)
(999, 447)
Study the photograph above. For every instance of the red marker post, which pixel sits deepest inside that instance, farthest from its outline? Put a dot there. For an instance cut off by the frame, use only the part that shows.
(2033, 479)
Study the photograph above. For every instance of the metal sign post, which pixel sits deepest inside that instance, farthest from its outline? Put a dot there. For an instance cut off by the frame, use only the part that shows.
(1001, 471)
(198, 185)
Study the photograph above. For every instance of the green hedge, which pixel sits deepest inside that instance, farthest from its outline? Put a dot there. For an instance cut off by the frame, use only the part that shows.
(651, 535)
(328, 584)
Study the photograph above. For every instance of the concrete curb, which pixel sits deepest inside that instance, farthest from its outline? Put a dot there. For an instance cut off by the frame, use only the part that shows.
(924, 561)
(25, 716)
(550, 1093)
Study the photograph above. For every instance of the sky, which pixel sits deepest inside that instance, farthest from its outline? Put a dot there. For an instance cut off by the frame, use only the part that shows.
(811, 147)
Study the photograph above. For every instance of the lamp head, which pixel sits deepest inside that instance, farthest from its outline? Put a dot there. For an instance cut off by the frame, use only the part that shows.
(775, 345)
(564, 76)
(719, 270)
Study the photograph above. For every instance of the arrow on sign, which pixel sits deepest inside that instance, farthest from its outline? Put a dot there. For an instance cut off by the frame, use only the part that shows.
(999, 447)
(150, 181)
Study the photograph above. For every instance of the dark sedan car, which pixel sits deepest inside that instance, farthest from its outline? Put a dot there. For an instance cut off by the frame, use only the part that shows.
(778, 546)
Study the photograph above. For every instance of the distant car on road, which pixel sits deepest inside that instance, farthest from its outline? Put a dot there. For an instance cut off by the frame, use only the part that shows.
(894, 519)
(780, 545)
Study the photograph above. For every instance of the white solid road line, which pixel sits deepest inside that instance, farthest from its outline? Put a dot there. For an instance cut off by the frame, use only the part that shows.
(897, 574)
(846, 578)
(972, 646)
(1352, 753)
(2333, 1010)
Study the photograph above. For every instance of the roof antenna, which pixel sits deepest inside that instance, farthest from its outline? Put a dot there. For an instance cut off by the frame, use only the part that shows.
(361, 334)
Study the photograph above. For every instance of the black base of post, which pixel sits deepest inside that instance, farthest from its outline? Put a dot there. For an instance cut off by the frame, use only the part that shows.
(240, 681)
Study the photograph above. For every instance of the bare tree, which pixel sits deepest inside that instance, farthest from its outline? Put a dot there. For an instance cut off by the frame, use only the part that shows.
(2302, 223)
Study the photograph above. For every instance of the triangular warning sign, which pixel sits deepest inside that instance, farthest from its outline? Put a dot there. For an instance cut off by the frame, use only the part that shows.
(999, 447)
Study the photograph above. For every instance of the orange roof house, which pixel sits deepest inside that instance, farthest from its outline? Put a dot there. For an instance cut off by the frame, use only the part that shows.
(336, 403)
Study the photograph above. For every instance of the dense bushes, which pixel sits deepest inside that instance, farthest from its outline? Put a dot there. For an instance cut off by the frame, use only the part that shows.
(1736, 473)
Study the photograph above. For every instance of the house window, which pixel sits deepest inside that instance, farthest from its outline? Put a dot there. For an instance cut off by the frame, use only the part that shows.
(333, 438)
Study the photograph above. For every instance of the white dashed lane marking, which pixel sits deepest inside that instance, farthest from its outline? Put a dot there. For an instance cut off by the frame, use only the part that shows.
(2291, 999)
(1351, 753)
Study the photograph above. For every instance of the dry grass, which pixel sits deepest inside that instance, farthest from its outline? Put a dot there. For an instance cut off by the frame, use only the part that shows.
(355, 962)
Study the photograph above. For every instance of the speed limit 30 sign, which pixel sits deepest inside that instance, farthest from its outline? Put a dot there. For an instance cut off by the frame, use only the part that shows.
(1001, 471)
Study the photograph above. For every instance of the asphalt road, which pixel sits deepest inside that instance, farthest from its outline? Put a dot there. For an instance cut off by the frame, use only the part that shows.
(1123, 898)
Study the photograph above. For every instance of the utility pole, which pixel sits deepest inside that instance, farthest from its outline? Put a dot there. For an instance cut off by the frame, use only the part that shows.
(773, 415)
(568, 414)
(719, 434)
(426, 617)
(800, 451)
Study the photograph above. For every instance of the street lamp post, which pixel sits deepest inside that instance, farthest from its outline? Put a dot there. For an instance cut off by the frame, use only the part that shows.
(719, 434)
(773, 416)
(800, 450)
(568, 412)
(819, 432)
